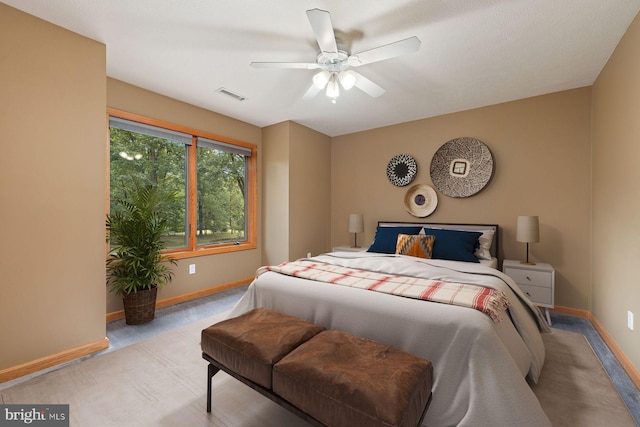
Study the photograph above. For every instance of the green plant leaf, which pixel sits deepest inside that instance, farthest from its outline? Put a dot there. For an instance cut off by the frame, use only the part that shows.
(135, 231)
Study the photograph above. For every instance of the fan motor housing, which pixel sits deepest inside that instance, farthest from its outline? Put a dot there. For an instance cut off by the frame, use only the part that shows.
(333, 62)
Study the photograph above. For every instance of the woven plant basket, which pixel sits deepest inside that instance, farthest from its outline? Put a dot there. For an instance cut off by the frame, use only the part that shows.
(140, 306)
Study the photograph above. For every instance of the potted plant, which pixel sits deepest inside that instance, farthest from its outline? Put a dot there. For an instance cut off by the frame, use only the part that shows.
(136, 266)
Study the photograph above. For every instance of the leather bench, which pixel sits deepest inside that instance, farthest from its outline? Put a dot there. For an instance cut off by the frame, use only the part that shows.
(327, 377)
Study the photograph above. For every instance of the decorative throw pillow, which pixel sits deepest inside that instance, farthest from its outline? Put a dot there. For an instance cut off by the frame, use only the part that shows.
(484, 245)
(455, 245)
(418, 245)
(386, 238)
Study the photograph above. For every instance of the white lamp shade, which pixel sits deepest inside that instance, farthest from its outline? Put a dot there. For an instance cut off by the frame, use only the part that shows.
(347, 79)
(528, 229)
(333, 89)
(356, 223)
(321, 79)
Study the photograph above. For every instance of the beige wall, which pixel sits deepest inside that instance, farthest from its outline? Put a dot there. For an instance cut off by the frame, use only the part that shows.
(297, 187)
(275, 176)
(616, 194)
(541, 150)
(310, 192)
(212, 270)
(52, 136)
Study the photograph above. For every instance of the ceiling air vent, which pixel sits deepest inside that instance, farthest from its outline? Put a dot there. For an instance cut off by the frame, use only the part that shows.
(231, 94)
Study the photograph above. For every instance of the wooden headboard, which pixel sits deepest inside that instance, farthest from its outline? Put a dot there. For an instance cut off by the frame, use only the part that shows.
(452, 226)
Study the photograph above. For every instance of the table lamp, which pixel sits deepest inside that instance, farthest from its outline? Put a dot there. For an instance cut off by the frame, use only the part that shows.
(356, 225)
(528, 231)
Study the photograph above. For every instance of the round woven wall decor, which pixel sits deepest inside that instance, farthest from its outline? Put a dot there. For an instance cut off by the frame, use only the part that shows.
(461, 167)
(401, 170)
(421, 200)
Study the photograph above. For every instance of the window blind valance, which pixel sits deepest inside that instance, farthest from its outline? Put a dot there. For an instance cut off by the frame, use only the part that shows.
(172, 135)
(154, 131)
(223, 146)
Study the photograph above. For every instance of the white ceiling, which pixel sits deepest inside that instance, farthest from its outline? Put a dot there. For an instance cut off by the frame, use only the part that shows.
(474, 52)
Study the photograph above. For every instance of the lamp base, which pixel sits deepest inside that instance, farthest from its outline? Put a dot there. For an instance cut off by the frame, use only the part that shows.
(355, 241)
(527, 262)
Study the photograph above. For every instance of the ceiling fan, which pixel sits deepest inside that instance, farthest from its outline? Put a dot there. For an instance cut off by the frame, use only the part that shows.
(335, 64)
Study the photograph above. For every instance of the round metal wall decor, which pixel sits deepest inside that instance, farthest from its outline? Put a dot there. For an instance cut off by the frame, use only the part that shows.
(461, 167)
(401, 170)
(421, 200)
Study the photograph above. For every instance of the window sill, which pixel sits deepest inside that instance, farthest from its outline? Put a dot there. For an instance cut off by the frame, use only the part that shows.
(219, 249)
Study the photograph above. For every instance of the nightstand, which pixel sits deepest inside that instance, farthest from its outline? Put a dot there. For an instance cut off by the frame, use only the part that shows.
(348, 249)
(537, 281)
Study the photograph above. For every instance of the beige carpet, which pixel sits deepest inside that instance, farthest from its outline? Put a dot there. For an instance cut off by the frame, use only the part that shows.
(162, 382)
(574, 388)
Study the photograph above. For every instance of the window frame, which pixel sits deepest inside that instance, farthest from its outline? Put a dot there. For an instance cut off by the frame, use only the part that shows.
(192, 249)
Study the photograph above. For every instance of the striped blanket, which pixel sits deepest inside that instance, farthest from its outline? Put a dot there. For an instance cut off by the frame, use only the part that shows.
(490, 301)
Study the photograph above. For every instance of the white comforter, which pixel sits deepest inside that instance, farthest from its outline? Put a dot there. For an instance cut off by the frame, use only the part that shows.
(479, 366)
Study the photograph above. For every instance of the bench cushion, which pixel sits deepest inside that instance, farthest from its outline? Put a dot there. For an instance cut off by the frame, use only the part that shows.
(251, 343)
(343, 380)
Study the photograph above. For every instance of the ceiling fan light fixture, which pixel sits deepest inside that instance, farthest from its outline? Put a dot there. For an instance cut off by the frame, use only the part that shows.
(334, 59)
(321, 79)
(347, 79)
(333, 89)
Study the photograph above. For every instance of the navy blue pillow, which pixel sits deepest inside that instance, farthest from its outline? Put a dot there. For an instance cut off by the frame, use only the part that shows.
(387, 237)
(455, 245)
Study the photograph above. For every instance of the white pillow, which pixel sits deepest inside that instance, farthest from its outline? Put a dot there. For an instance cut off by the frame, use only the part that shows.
(484, 248)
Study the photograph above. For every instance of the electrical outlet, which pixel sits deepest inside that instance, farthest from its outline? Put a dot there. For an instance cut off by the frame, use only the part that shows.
(192, 269)
(630, 320)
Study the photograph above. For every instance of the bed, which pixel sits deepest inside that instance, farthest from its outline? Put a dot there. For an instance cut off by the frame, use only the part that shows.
(482, 364)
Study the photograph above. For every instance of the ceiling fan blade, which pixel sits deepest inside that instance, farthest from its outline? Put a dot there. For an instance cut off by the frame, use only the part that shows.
(367, 86)
(303, 65)
(320, 21)
(391, 50)
(311, 92)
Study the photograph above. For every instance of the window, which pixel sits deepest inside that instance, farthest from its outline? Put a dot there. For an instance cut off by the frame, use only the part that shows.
(213, 180)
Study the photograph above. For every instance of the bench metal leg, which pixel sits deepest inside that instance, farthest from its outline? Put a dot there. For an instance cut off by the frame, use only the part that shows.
(215, 367)
(211, 371)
